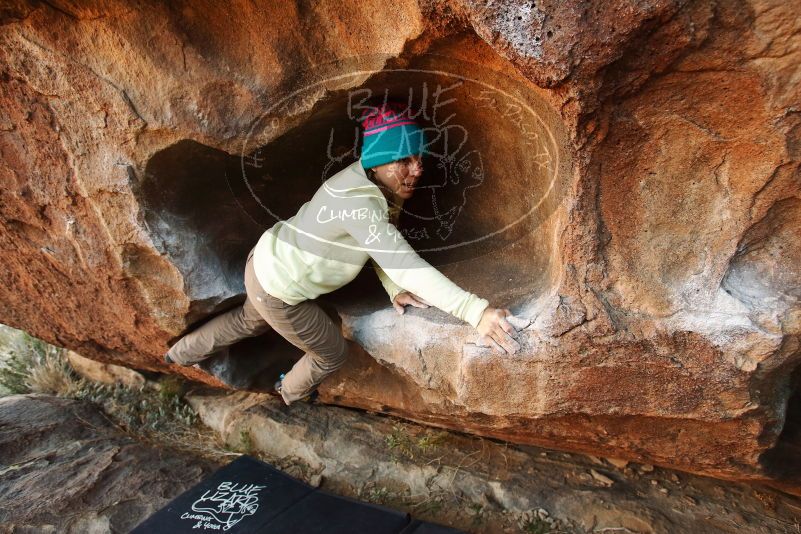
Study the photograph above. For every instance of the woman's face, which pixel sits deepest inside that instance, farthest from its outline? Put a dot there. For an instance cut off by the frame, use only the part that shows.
(400, 176)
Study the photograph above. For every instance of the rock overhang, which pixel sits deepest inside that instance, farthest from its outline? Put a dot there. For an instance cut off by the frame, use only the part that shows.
(621, 345)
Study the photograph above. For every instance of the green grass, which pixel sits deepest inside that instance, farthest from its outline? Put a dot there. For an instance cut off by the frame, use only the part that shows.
(28, 364)
(246, 445)
(399, 442)
(403, 444)
(157, 412)
(143, 411)
(536, 526)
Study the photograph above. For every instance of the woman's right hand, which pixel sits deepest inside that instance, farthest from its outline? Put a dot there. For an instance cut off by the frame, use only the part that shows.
(497, 332)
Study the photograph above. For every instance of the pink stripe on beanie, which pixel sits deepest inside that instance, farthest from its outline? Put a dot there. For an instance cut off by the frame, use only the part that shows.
(389, 115)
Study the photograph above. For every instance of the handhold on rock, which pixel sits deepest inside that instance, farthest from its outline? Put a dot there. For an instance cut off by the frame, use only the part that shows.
(518, 322)
(485, 345)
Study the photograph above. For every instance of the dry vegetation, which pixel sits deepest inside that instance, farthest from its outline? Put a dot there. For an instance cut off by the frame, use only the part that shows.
(154, 413)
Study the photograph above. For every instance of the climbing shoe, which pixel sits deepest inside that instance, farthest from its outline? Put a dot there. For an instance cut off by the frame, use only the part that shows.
(310, 398)
(170, 361)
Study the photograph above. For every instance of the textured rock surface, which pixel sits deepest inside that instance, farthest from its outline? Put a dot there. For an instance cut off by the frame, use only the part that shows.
(441, 473)
(67, 468)
(106, 373)
(660, 268)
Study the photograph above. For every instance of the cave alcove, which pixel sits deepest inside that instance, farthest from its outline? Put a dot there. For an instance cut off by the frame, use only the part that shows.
(482, 213)
(783, 460)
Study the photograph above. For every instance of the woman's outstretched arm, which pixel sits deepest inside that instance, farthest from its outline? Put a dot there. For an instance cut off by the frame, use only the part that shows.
(407, 270)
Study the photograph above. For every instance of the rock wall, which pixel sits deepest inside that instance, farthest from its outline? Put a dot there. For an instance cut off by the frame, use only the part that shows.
(353, 451)
(70, 469)
(630, 184)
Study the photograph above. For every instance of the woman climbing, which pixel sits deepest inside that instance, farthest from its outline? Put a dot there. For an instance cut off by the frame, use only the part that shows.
(324, 246)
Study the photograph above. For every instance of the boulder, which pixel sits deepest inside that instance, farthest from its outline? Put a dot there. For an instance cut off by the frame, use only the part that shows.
(67, 468)
(355, 453)
(624, 177)
(106, 373)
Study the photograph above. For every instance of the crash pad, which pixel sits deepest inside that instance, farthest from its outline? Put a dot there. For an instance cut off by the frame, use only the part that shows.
(251, 496)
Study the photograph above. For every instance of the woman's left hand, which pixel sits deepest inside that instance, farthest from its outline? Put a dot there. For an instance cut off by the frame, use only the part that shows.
(405, 298)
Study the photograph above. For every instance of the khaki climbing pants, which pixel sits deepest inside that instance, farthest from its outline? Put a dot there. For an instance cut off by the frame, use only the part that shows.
(305, 325)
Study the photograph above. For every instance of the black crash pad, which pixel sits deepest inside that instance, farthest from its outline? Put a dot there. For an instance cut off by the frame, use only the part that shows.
(241, 497)
(323, 513)
(250, 496)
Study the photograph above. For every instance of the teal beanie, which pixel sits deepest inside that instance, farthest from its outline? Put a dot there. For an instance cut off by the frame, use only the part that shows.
(389, 135)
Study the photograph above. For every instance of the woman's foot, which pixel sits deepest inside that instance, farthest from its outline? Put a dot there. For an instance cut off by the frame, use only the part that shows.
(277, 386)
(170, 361)
(310, 398)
